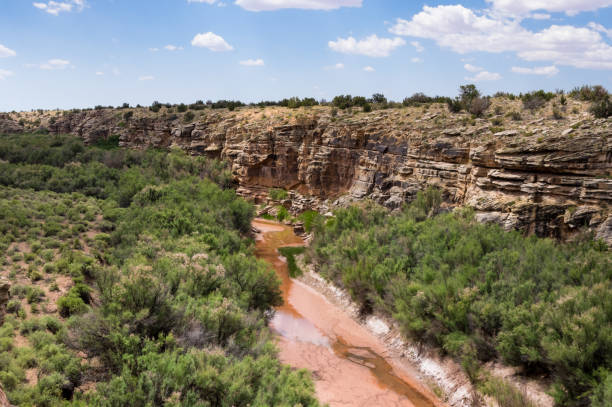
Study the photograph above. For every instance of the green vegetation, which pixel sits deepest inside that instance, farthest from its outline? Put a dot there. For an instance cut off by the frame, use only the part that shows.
(479, 292)
(278, 194)
(148, 292)
(602, 108)
(289, 253)
(310, 219)
(282, 214)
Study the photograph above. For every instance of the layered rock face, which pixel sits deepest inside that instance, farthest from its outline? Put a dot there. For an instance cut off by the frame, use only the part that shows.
(540, 175)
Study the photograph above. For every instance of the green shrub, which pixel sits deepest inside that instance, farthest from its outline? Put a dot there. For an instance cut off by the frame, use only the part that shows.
(34, 294)
(188, 117)
(13, 306)
(602, 109)
(278, 194)
(282, 214)
(310, 219)
(70, 304)
(476, 290)
(289, 253)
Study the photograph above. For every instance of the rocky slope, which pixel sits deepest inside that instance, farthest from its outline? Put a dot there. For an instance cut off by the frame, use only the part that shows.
(551, 177)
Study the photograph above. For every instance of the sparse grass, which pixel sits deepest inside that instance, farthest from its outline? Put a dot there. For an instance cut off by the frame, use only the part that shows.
(506, 394)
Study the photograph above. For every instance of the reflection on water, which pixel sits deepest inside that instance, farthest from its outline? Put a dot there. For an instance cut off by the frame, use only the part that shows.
(347, 372)
(297, 329)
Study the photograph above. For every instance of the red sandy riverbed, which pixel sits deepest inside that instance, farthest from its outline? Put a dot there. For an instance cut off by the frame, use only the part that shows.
(349, 364)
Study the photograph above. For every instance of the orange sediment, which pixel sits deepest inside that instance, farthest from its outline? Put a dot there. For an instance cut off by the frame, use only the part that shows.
(350, 365)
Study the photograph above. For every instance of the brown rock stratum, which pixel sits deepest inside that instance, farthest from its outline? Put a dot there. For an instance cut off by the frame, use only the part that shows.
(539, 175)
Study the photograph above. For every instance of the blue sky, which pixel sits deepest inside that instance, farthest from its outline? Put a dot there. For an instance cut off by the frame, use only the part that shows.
(78, 53)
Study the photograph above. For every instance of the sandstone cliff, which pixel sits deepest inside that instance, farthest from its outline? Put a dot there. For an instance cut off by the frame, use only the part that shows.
(537, 174)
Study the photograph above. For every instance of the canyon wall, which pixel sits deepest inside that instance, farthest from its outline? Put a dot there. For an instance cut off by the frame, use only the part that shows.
(537, 174)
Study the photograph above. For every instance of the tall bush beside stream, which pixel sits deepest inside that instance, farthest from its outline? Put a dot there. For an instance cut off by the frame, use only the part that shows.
(478, 292)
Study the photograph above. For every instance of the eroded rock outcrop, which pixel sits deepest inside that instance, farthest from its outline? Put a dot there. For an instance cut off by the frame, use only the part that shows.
(544, 176)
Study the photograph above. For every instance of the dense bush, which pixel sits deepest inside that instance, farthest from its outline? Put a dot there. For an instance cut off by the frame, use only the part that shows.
(602, 109)
(278, 194)
(347, 101)
(479, 292)
(296, 102)
(536, 99)
(168, 306)
(419, 99)
(479, 106)
(589, 93)
(231, 105)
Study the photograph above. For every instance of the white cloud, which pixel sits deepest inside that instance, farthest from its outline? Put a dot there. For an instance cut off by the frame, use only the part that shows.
(146, 78)
(339, 65)
(171, 47)
(5, 74)
(569, 7)
(211, 41)
(417, 45)
(484, 76)
(368, 69)
(268, 5)
(463, 30)
(56, 7)
(6, 52)
(54, 64)
(252, 62)
(416, 60)
(540, 16)
(600, 28)
(99, 73)
(472, 68)
(153, 49)
(202, 1)
(538, 70)
(371, 46)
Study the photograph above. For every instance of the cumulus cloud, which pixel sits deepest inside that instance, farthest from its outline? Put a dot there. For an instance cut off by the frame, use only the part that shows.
(463, 30)
(472, 68)
(54, 64)
(268, 5)
(600, 28)
(211, 41)
(6, 52)
(371, 46)
(540, 16)
(146, 78)
(339, 65)
(5, 74)
(570, 7)
(538, 70)
(56, 7)
(252, 62)
(417, 46)
(368, 69)
(484, 76)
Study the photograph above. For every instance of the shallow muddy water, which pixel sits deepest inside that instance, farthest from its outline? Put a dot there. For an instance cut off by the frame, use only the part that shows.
(350, 365)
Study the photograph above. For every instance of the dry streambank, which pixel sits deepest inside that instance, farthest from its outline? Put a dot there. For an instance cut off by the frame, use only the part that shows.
(350, 365)
(537, 174)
